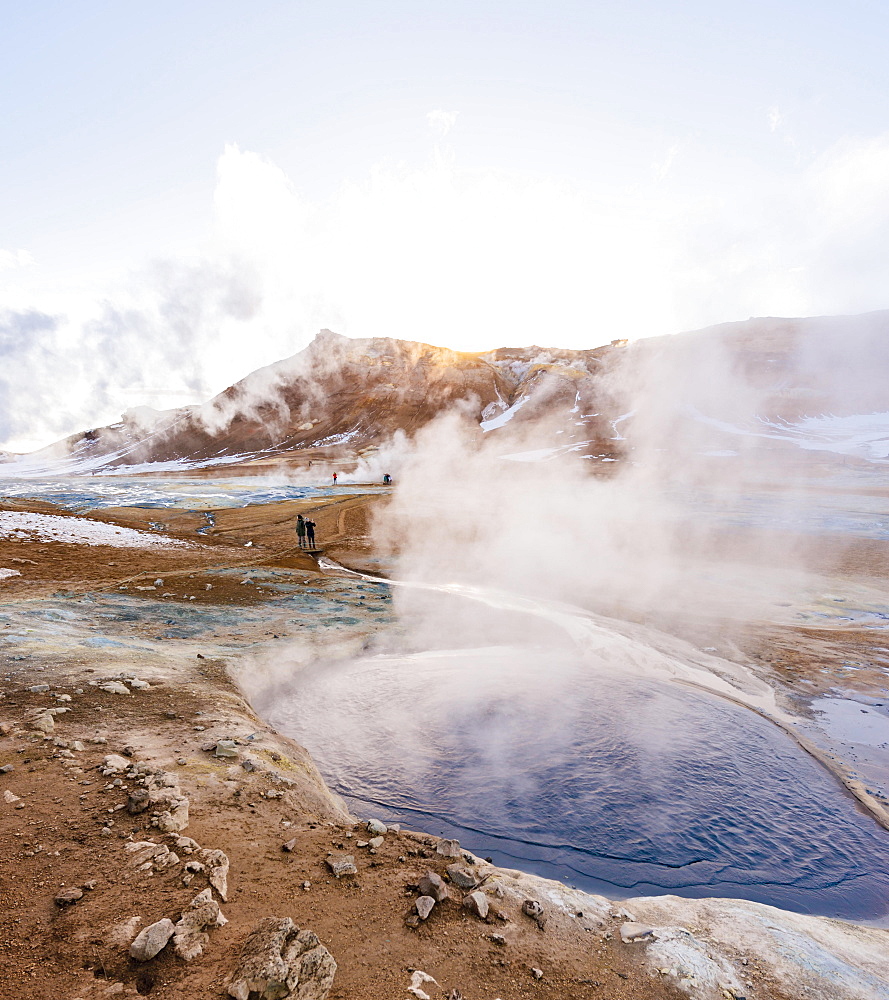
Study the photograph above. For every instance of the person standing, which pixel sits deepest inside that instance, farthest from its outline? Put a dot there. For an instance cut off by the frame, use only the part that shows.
(310, 533)
(334, 479)
(301, 531)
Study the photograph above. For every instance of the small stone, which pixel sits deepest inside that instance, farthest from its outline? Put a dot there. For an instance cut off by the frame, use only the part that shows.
(138, 801)
(10, 798)
(114, 687)
(424, 906)
(477, 903)
(342, 864)
(537, 973)
(152, 940)
(375, 843)
(114, 762)
(531, 908)
(498, 939)
(44, 723)
(68, 896)
(462, 877)
(7, 768)
(226, 748)
(631, 931)
(38, 688)
(290, 845)
(307, 886)
(432, 884)
(376, 827)
(448, 848)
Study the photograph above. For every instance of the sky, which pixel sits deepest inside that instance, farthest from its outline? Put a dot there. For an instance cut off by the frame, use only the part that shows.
(191, 190)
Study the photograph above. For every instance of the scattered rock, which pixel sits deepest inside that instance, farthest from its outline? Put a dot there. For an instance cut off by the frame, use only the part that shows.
(38, 688)
(417, 979)
(631, 931)
(278, 960)
(226, 748)
(10, 798)
(189, 934)
(424, 906)
(67, 897)
(462, 877)
(498, 939)
(432, 884)
(7, 768)
(114, 762)
(448, 848)
(342, 864)
(218, 864)
(152, 940)
(138, 801)
(531, 908)
(175, 819)
(44, 723)
(290, 845)
(115, 687)
(477, 903)
(375, 842)
(537, 973)
(376, 827)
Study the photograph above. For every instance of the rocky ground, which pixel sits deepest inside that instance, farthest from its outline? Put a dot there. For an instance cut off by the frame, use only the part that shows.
(140, 791)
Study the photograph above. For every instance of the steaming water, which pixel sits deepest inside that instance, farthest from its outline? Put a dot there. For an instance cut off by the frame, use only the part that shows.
(626, 786)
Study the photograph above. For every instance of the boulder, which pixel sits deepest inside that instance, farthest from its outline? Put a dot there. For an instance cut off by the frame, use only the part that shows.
(432, 884)
(342, 864)
(376, 827)
(68, 896)
(448, 848)
(114, 687)
(151, 940)
(278, 960)
(462, 877)
(631, 931)
(114, 762)
(477, 903)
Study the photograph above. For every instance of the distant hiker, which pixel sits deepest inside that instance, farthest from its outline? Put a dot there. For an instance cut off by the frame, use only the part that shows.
(301, 530)
(386, 479)
(334, 479)
(310, 532)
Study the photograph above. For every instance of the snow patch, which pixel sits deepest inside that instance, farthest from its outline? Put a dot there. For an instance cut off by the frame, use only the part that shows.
(79, 530)
(505, 416)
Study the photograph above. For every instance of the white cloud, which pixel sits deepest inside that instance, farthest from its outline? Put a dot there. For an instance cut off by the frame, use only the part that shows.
(776, 119)
(441, 122)
(466, 259)
(15, 258)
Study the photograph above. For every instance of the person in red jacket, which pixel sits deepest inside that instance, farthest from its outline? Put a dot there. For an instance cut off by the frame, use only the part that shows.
(334, 479)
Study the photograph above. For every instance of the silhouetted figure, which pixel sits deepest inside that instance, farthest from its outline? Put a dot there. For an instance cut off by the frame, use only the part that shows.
(310, 533)
(334, 479)
(387, 479)
(301, 530)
